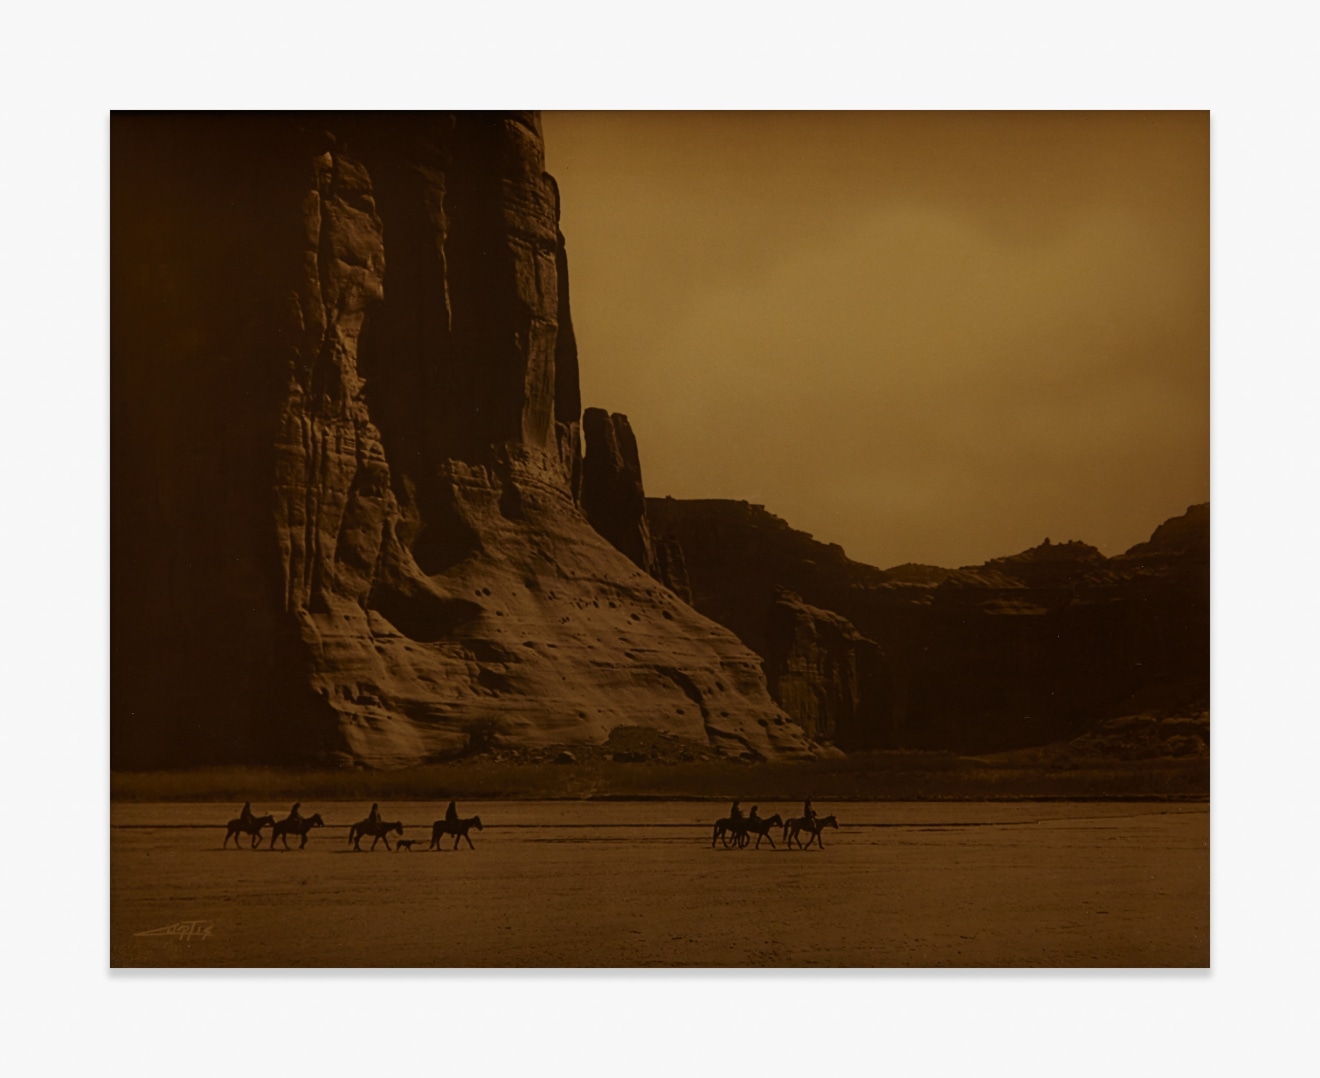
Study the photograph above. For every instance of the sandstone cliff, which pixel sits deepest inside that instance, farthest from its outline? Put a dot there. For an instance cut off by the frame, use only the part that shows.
(347, 466)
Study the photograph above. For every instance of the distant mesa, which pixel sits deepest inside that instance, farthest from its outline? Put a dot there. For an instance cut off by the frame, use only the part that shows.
(1022, 650)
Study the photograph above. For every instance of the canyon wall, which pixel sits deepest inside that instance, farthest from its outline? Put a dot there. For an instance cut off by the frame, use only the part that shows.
(1022, 650)
(346, 463)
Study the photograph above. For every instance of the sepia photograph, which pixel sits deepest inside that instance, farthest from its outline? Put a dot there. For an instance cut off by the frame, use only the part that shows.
(823, 580)
(653, 541)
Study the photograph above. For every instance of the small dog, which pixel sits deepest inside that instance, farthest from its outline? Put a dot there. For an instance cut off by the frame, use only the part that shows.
(404, 844)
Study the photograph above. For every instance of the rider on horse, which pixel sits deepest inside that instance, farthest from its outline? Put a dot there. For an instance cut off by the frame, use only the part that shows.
(451, 813)
(374, 818)
(809, 813)
(245, 816)
(735, 814)
(294, 815)
(752, 816)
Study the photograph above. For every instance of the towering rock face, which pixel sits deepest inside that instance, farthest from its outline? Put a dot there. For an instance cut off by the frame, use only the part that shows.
(346, 459)
(1021, 650)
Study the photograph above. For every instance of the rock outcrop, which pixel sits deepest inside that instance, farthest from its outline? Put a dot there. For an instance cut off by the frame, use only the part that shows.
(347, 460)
(612, 494)
(614, 500)
(737, 556)
(1018, 651)
(671, 568)
(830, 679)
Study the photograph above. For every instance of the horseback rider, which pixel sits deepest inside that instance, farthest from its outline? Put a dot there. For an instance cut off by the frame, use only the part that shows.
(735, 814)
(809, 813)
(753, 817)
(374, 818)
(245, 816)
(294, 815)
(451, 813)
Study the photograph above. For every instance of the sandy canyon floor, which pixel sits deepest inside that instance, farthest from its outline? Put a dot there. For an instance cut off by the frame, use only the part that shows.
(557, 883)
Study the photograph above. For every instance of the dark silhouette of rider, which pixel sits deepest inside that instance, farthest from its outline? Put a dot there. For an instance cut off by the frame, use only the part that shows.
(451, 813)
(245, 816)
(294, 815)
(753, 817)
(808, 813)
(374, 818)
(735, 813)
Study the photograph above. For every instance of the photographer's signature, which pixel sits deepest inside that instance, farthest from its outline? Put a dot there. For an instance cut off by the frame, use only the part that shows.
(183, 930)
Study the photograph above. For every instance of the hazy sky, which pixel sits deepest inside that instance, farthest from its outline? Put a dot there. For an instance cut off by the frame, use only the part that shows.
(934, 337)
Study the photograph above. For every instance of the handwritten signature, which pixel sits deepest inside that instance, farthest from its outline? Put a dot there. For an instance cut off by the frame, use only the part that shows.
(184, 930)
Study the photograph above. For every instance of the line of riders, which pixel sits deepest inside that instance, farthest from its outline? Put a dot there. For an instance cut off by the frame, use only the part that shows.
(372, 827)
(736, 830)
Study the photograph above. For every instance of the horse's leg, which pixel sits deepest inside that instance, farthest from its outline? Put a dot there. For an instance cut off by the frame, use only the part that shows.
(469, 840)
(386, 839)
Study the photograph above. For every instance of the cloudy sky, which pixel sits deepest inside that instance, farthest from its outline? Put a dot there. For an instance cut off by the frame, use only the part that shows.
(933, 337)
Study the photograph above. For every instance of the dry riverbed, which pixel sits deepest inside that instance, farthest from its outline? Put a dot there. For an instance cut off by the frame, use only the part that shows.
(563, 883)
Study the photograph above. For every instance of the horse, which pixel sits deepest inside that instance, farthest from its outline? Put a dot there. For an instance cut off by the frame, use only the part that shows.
(252, 826)
(794, 827)
(458, 828)
(728, 829)
(300, 826)
(378, 831)
(761, 828)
